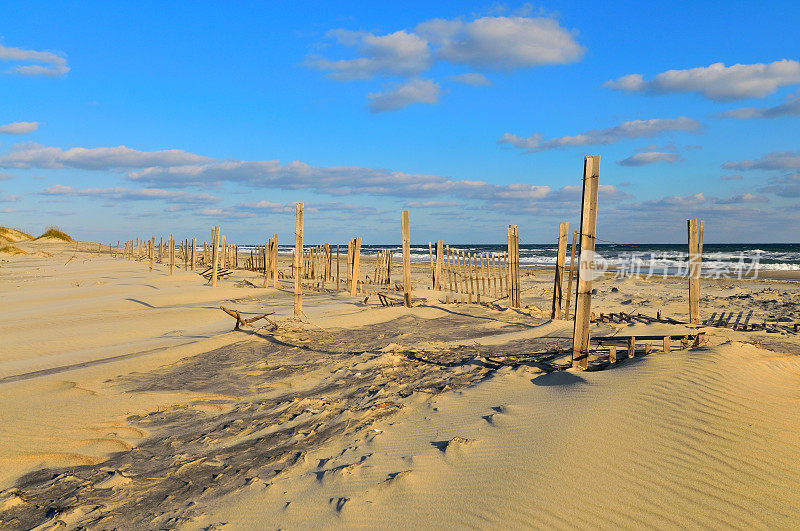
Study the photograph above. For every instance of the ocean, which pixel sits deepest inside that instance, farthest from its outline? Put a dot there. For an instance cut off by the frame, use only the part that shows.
(656, 259)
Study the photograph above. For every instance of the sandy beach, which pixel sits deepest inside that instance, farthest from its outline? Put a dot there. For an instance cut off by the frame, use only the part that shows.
(130, 402)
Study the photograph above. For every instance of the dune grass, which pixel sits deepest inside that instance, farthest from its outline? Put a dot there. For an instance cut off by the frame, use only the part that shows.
(8, 234)
(11, 249)
(56, 234)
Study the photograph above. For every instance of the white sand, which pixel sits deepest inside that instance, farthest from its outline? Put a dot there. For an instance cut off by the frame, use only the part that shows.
(707, 437)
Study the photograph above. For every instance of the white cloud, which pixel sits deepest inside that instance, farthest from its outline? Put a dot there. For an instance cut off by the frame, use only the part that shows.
(6, 176)
(46, 63)
(502, 42)
(57, 189)
(786, 186)
(18, 128)
(9, 198)
(649, 157)
(717, 81)
(472, 78)
(430, 204)
(31, 155)
(131, 194)
(742, 199)
(777, 160)
(405, 94)
(631, 129)
(397, 54)
(735, 177)
(489, 43)
(790, 107)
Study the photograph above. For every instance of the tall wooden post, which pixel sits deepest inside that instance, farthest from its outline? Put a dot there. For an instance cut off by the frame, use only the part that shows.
(437, 278)
(513, 266)
(406, 258)
(274, 261)
(171, 250)
(194, 253)
(694, 271)
(337, 267)
(223, 249)
(356, 269)
(571, 272)
(558, 284)
(588, 228)
(152, 251)
(214, 255)
(298, 260)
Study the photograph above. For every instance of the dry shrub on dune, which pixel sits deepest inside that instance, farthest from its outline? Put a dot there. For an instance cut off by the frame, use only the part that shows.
(55, 233)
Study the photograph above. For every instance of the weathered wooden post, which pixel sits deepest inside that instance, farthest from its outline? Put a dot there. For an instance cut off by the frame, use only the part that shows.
(558, 284)
(298, 260)
(223, 249)
(337, 267)
(194, 253)
(171, 251)
(695, 264)
(152, 251)
(274, 260)
(406, 258)
(437, 278)
(214, 255)
(513, 266)
(356, 267)
(433, 266)
(571, 272)
(583, 298)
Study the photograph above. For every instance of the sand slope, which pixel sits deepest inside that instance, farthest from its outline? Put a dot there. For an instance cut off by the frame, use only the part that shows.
(696, 438)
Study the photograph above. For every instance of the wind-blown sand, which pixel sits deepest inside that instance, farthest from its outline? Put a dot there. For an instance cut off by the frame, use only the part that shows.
(128, 402)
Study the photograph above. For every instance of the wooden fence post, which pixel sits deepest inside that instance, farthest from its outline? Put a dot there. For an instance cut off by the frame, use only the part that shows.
(338, 279)
(558, 284)
(151, 251)
(513, 266)
(406, 258)
(171, 251)
(214, 257)
(274, 261)
(194, 253)
(583, 298)
(694, 272)
(571, 272)
(437, 278)
(298, 260)
(356, 268)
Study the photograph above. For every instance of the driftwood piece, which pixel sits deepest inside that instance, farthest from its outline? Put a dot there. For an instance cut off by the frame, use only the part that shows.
(244, 322)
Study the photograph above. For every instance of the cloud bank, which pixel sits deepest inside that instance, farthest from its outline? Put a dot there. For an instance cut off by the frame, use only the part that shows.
(625, 130)
(717, 81)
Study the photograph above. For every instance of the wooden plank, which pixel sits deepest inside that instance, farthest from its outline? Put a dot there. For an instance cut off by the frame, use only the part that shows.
(571, 273)
(405, 222)
(214, 252)
(583, 298)
(298, 260)
(558, 283)
(694, 273)
(631, 347)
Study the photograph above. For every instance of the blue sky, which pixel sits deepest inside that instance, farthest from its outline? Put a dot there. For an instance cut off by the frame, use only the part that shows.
(124, 121)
